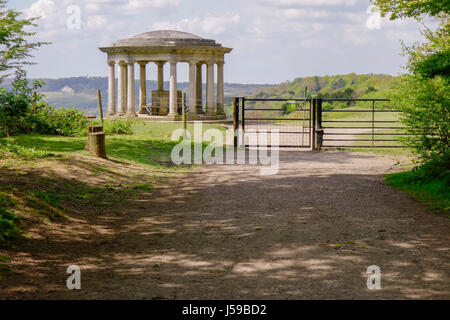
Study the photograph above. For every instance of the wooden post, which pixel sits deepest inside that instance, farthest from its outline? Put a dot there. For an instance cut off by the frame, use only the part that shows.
(94, 129)
(96, 142)
(184, 116)
(100, 106)
(320, 133)
(236, 120)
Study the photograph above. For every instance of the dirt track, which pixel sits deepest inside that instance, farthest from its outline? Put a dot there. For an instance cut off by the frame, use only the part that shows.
(225, 232)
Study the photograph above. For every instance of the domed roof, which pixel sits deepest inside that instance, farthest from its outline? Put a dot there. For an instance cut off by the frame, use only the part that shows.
(165, 38)
(166, 34)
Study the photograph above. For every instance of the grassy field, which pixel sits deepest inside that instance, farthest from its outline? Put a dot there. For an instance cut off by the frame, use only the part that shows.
(365, 130)
(354, 114)
(149, 145)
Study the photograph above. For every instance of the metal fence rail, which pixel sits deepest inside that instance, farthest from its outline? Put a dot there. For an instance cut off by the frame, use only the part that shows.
(317, 123)
(365, 125)
(268, 115)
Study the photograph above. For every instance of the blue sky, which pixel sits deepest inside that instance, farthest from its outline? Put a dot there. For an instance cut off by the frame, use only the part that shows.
(273, 40)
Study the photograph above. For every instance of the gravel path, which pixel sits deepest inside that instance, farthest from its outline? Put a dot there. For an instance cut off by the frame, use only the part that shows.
(309, 232)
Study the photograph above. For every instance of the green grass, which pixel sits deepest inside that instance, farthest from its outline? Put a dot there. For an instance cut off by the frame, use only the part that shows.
(8, 220)
(149, 145)
(401, 151)
(432, 191)
(360, 116)
(49, 198)
(5, 259)
(355, 146)
(4, 270)
(9, 149)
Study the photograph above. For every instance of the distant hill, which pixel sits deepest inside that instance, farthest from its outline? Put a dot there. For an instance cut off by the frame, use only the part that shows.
(338, 86)
(81, 92)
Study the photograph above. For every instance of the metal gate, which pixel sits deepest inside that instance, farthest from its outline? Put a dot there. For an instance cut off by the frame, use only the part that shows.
(319, 123)
(290, 118)
(358, 123)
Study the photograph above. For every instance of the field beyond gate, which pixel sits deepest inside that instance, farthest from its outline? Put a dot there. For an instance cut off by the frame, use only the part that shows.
(290, 117)
(317, 123)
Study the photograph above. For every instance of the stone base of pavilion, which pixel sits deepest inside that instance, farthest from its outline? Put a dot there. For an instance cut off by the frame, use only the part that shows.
(172, 118)
(169, 118)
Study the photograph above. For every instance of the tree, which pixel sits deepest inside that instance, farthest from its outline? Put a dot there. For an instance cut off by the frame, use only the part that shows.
(431, 58)
(426, 106)
(412, 8)
(424, 93)
(15, 50)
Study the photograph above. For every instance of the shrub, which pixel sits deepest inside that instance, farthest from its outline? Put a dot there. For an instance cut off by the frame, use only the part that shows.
(290, 107)
(426, 106)
(12, 110)
(23, 111)
(19, 115)
(120, 126)
(436, 64)
(46, 119)
(429, 171)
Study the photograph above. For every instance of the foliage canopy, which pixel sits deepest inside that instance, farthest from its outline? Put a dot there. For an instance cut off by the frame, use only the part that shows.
(412, 8)
(15, 49)
(424, 94)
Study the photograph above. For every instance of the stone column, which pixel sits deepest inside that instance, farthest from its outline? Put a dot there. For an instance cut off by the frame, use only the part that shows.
(111, 90)
(173, 105)
(192, 88)
(210, 101)
(126, 86)
(131, 112)
(142, 88)
(220, 89)
(121, 89)
(160, 75)
(199, 91)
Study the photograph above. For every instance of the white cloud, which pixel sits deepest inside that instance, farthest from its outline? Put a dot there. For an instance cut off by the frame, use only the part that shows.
(354, 36)
(269, 37)
(210, 24)
(92, 8)
(374, 21)
(96, 15)
(304, 13)
(294, 3)
(41, 8)
(96, 22)
(134, 5)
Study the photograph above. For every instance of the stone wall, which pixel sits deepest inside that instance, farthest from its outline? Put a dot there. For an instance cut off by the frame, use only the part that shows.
(160, 102)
